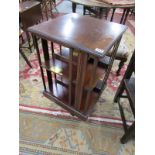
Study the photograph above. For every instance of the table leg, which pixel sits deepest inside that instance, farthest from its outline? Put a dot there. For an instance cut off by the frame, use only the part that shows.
(113, 11)
(126, 15)
(29, 41)
(84, 10)
(103, 12)
(124, 11)
(73, 7)
(25, 58)
(100, 15)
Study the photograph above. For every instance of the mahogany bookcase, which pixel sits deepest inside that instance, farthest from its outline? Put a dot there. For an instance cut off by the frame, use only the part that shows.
(72, 76)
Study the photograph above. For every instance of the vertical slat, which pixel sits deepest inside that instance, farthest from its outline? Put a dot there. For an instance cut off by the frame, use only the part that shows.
(70, 75)
(52, 49)
(53, 57)
(60, 49)
(93, 76)
(46, 57)
(39, 59)
(81, 69)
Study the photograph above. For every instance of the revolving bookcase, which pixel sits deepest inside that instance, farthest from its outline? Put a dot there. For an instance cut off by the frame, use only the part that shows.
(71, 73)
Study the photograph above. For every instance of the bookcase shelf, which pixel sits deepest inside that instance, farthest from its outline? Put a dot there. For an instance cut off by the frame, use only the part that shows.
(60, 65)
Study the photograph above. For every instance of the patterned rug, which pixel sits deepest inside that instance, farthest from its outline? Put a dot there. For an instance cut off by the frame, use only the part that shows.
(46, 135)
(46, 128)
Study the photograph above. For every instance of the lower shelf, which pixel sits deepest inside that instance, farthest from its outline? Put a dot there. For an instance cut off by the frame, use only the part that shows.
(60, 94)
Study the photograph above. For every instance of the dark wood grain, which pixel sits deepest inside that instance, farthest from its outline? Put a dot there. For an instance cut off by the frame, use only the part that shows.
(81, 32)
(81, 70)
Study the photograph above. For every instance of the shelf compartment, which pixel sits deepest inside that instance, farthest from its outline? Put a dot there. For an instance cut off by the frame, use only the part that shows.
(61, 92)
(62, 69)
(63, 55)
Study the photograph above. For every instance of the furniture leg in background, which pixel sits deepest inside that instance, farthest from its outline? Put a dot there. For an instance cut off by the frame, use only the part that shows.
(30, 14)
(128, 85)
(25, 58)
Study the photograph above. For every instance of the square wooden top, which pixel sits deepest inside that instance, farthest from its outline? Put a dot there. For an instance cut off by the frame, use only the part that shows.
(84, 33)
(23, 6)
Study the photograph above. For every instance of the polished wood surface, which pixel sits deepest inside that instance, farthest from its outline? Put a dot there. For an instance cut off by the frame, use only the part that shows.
(81, 32)
(74, 77)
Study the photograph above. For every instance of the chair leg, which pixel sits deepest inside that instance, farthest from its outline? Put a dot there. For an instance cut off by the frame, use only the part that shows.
(22, 38)
(121, 64)
(28, 39)
(84, 10)
(129, 133)
(103, 12)
(25, 58)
